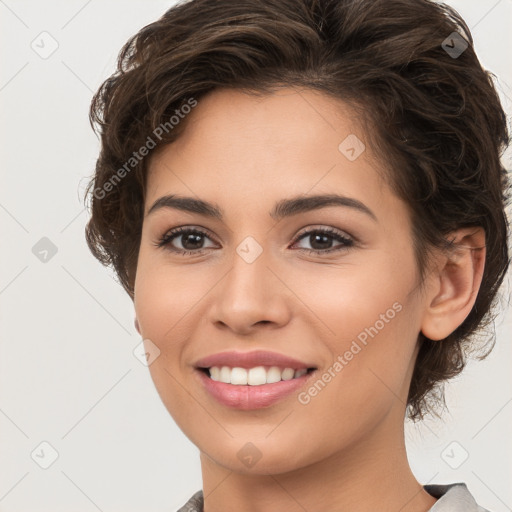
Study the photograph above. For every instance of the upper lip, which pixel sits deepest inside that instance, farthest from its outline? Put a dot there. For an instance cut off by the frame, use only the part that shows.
(251, 360)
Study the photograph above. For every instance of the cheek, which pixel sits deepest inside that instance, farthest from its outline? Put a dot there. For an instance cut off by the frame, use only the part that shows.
(164, 301)
(365, 381)
(360, 300)
(373, 322)
(165, 297)
(168, 303)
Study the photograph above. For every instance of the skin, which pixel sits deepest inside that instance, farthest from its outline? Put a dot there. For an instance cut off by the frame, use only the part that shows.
(344, 449)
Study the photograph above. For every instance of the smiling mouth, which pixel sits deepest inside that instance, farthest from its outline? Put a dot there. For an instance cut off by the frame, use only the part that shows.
(256, 376)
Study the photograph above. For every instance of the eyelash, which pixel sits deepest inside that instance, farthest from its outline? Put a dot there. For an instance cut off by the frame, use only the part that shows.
(166, 239)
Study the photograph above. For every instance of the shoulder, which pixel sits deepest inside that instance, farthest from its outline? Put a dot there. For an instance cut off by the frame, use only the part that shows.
(453, 498)
(194, 504)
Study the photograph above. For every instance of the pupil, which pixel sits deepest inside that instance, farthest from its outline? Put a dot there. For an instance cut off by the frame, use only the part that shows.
(194, 239)
(321, 238)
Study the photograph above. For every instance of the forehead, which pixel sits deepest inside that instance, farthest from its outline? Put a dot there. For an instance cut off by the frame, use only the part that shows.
(256, 146)
(300, 117)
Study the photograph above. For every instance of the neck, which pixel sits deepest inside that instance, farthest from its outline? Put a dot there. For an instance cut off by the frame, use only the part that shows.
(372, 474)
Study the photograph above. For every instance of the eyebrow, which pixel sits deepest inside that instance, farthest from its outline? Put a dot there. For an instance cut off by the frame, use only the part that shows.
(283, 208)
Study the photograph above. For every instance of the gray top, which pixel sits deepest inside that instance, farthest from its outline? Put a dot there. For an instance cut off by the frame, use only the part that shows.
(451, 498)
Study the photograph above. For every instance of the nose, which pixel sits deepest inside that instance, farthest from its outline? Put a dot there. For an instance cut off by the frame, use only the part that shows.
(249, 296)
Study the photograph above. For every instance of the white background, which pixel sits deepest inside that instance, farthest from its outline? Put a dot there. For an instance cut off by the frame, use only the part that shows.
(67, 372)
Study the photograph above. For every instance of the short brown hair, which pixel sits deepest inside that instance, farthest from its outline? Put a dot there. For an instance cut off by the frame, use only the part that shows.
(435, 116)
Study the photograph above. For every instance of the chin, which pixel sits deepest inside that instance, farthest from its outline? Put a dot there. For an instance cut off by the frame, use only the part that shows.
(261, 456)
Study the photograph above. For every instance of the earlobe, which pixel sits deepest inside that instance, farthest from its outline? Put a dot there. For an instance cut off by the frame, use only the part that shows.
(137, 326)
(455, 283)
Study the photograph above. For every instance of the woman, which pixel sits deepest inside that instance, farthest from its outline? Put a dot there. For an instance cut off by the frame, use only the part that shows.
(305, 201)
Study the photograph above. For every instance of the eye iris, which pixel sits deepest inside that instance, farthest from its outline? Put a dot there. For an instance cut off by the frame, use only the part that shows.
(194, 238)
(320, 241)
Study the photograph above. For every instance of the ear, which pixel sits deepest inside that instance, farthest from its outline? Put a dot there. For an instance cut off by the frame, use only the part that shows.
(454, 283)
(137, 326)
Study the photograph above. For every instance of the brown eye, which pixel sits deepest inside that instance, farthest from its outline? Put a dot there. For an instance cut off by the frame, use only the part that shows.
(321, 240)
(191, 240)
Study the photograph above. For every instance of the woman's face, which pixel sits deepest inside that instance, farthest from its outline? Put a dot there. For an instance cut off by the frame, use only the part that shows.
(334, 286)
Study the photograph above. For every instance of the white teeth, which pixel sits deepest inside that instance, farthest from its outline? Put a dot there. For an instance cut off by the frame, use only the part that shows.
(225, 374)
(273, 375)
(215, 373)
(288, 374)
(239, 376)
(256, 376)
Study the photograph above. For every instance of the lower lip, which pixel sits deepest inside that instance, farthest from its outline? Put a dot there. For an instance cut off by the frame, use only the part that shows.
(251, 397)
